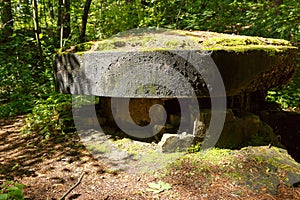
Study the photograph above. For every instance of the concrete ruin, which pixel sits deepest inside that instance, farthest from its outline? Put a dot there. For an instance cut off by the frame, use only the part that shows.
(164, 70)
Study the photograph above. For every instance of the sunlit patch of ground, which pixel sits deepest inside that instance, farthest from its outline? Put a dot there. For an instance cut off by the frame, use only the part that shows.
(49, 169)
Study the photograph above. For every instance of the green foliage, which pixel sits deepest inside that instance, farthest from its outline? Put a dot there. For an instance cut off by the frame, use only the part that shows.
(10, 190)
(194, 148)
(287, 98)
(259, 18)
(50, 116)
(114, 17)
(25, 76)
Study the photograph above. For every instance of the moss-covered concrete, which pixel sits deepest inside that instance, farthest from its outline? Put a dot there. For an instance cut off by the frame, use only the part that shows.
(247, 64)
(161, 39)
(261, 169)
(253, 167)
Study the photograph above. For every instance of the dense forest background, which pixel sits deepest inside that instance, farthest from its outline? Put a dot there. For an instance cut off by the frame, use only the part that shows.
(33, 31)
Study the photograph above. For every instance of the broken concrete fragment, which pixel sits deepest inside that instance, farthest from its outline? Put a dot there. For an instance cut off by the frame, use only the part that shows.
(171, 143)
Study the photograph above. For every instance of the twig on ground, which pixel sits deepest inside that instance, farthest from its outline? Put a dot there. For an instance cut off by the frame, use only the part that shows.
(73, 187)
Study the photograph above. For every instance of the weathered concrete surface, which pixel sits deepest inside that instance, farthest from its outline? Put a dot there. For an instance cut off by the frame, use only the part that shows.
(171, 143)
(174, 63)
(133, 74)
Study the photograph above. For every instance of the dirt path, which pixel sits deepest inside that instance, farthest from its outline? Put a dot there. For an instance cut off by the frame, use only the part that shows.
(49, 169)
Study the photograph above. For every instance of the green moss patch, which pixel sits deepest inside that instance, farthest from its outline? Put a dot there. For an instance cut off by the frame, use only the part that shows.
(185, 40)
(243, 44)
(260, 169)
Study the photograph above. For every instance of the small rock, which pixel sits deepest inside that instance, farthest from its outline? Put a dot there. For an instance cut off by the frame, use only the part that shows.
(171, 143)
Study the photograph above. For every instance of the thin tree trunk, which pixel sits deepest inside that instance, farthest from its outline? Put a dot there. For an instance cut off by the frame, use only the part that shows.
(50, 5)
(60, 13)
(84, 20)
(278, 2)
(67, 19)
(61, 35)
(60, 21)
(64, 20)
(7, 20)
(36, 25)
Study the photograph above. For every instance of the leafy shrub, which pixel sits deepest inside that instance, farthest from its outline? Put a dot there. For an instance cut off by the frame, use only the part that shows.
(10, 190)
(289, 96)
(25, 76)
(50, 116)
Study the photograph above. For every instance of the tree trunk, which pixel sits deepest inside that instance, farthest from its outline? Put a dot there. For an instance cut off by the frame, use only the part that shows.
(36, 25)
(60, 13)
(278, 2)
(7, 20)
(60, 23)
(50, 5)
(67, 19)
(64, 20)
(84, 20)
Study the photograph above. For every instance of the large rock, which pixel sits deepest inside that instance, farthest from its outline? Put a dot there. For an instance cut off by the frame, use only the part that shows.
(240, 129)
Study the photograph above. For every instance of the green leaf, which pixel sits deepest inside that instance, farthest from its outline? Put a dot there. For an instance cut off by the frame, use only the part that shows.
(154, 185)
(158, 187)
(3, 196)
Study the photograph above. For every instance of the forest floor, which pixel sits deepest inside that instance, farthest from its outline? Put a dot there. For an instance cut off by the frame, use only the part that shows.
(49, 169)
